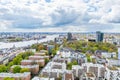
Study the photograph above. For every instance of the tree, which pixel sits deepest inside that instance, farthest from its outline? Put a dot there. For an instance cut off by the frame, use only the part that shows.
(40, 47)
(92, 46)
(7, 78)
(24, 70)
(74, 62)
(16, 69)
(53, 52)
(88, 59)
(46, 60)
(69, 66)
(9, 65)
(3, 68)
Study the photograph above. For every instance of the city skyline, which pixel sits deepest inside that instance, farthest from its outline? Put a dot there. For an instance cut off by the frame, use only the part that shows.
(59, 15)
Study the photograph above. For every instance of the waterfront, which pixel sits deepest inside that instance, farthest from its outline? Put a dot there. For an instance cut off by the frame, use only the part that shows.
(26, 43)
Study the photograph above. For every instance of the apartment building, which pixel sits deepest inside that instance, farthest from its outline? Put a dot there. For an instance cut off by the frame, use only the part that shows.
(77, 70)
(38, 57)
(41, 62)
(42, 78)
(97, 69)
(34, 69)
(112, 73)
(68, 75)
(53, 70)
(16, 76)
(88, 76)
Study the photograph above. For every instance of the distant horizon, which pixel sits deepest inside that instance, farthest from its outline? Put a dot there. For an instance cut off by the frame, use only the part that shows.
(58, 32)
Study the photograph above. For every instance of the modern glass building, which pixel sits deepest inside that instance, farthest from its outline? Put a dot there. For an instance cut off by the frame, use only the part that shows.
(99, 36)
(69, 36)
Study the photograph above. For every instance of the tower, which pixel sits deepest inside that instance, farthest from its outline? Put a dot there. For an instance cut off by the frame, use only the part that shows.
(99, 36)
(119, 53)
(69, 36)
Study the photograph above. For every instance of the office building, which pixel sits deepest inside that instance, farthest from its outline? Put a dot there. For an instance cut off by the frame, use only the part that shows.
(119, 53)
(69, 36)
(99, 36)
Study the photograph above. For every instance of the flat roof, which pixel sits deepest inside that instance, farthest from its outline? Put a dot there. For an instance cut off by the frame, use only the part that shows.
(26, 66)
(14, 75)
(33, 60)
(90, 75)
(41, 78)
(112, 68)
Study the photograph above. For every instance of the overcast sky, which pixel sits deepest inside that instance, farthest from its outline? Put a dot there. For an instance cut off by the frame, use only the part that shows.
(60, 15)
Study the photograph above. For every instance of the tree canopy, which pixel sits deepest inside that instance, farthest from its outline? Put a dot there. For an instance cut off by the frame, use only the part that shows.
(7, 78)
(16, 69)
(24, 70)
(91, 46)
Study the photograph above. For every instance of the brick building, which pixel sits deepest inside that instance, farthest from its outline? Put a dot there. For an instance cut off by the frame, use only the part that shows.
(17, 76)
(34, 69)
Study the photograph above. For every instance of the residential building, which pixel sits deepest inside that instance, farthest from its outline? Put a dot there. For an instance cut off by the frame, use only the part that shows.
(68, 75)
(41, 62)
(53, 70)
(77, 70)
(112, 73)
(34, 69)
(42, 78)
(16, 76)
(38, 57)
(40, 54)
(97, 69)
(88, 76)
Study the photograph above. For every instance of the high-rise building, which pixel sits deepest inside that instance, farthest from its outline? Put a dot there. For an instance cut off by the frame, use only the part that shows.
(69, 36)
(99, 36)
(119, 53)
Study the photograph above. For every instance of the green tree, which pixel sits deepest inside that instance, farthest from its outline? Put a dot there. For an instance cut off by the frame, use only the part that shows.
(7, 78)
(3, 68)
(16, 69)
(46, 60)
(53, 52)
(9, 65)
(88, 59)
(74, 62)
(92, 46)
(24, 70)
(69, 66)
(40, 47)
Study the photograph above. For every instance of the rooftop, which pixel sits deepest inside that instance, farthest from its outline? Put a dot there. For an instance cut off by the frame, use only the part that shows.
(112, 68)
(14, 75)
(32, 60)
(39, 56)
(41, 78)
(90, 75)
(26, 66)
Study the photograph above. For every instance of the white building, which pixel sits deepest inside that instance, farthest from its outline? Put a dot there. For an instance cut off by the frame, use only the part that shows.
(53, 69)
(112, 73)
(88, 76)
(17, 76)
(97, 69)
(108, 55)
(77, 70)
(42, 78)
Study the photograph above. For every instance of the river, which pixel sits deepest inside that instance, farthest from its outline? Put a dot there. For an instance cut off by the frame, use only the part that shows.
(26, 43)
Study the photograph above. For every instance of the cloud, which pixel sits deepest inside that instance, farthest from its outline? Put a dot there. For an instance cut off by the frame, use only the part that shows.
(74, 15)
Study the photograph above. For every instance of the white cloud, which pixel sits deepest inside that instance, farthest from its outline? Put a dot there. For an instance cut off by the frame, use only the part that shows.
(57, 14)
(5, 25)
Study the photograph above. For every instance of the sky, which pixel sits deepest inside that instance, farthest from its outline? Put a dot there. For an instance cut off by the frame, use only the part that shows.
(59, 15)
